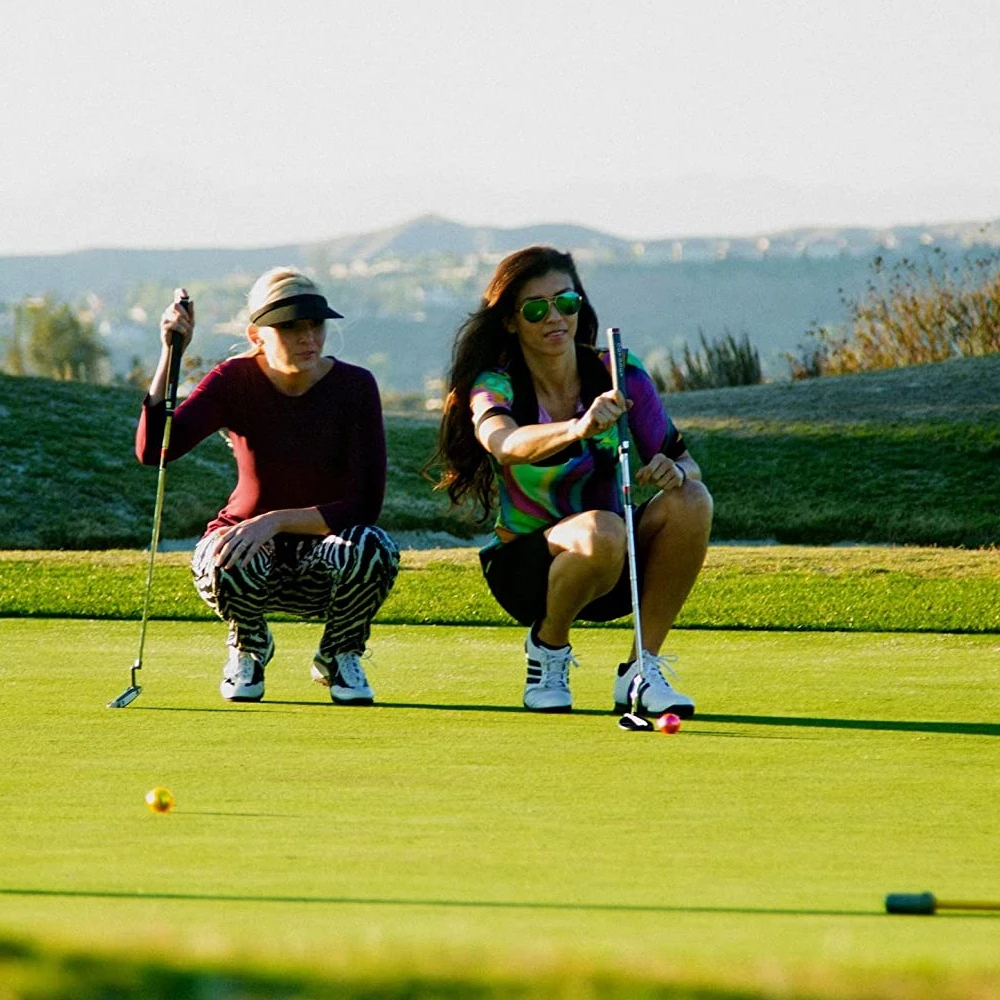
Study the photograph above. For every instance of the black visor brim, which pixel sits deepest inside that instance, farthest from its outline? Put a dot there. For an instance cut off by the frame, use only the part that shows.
(294, 308)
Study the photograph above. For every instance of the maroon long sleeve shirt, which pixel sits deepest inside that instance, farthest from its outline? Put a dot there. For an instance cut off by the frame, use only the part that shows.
(323, 449)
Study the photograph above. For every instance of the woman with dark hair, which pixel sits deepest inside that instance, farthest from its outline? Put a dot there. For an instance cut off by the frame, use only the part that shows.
(298, 534)
(530, 420)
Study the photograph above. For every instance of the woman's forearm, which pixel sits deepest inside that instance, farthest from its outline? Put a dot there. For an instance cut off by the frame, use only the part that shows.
(158, 384)
(532, 443)
(297, 521)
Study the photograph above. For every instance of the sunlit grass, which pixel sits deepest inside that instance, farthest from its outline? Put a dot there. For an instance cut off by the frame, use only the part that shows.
(448, 837)
(760, 587)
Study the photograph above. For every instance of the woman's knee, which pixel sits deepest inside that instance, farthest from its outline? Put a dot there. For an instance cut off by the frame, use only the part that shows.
(213, 582)
(686, 512)
(363, 547)
(695, 505)
(388, 551)
(598, 535)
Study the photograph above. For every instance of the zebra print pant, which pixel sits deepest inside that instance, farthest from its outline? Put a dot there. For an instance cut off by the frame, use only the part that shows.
(342, 579)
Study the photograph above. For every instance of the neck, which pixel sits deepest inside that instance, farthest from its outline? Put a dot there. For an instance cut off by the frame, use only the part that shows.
(552, 375)
(294, 383)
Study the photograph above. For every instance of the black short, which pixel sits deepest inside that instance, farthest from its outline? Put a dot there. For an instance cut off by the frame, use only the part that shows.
(517, 574)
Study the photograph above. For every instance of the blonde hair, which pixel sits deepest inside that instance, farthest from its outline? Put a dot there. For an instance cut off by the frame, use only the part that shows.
(274, 284)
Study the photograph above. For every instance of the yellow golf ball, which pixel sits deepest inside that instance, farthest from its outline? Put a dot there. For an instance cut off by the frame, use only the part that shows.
(159, 800)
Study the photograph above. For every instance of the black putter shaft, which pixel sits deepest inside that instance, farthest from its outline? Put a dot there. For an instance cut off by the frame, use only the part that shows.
(633, 720)
(170, 402)
(927, 903)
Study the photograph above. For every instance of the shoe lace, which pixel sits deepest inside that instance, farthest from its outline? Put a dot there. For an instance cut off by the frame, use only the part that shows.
(555, 667)
(351, 671)
(653, 666)
(246, 666)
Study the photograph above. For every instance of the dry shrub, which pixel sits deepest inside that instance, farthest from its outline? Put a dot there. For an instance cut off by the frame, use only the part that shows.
(724, 362)
(911, 313)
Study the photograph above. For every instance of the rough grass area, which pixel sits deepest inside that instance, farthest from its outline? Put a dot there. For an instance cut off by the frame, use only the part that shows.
(447, 843)
(780, 587)
(958, 391)
(910, 456)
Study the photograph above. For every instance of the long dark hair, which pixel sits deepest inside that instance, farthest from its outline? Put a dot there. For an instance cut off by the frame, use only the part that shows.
(483, 342)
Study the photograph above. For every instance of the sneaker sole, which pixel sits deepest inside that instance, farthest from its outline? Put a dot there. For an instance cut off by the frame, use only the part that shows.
(554, 710)
(241, 698)
(349, 702)
(681, 711)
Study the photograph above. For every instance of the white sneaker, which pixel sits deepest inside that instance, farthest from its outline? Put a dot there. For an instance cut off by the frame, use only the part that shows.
(547, 686)
(656, 696)
(348, 685)
(243, 674)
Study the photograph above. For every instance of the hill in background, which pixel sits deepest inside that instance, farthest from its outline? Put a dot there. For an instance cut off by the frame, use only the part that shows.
(405, 289)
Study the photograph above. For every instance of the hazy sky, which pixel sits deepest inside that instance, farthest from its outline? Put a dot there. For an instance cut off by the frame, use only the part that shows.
(245, 122)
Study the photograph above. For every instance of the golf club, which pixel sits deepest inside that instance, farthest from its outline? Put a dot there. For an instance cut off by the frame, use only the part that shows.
(173, 377)
(928, 903)
(631, 721)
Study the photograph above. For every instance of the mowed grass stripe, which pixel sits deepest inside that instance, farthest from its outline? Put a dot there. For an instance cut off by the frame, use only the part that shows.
(755, 587)
(446, 829)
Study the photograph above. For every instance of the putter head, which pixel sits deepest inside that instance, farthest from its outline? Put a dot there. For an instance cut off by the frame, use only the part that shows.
(633, 723)
(910, 902)
(126, 697)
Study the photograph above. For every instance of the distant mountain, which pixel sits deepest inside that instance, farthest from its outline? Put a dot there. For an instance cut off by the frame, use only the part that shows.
(108, 270)
(431, 234)
(405, 289)
(105, 271)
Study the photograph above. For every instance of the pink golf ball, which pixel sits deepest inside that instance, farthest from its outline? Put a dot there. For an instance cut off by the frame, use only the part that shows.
(668, 723)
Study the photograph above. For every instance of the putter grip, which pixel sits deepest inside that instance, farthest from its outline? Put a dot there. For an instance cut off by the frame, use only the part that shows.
(910, 902)
(618, 374)
(174, 368)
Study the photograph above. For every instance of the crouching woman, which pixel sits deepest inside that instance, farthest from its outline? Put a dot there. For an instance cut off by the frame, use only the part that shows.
(298, 533)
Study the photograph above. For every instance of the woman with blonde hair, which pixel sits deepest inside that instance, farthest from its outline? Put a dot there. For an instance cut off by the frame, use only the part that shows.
(530, 427)
(298, 533)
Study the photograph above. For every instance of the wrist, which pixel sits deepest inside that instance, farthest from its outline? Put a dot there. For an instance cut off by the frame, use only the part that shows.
(680, 468)
(270, 522)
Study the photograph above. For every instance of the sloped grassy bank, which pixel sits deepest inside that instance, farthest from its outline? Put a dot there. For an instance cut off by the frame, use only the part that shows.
(780, 587)
(910, 456)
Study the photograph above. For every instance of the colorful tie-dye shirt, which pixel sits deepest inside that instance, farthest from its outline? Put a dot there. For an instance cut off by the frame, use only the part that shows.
(582, 476)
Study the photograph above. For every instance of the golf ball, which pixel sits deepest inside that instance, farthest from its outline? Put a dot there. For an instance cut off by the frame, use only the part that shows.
(159, 800)
(668, 723)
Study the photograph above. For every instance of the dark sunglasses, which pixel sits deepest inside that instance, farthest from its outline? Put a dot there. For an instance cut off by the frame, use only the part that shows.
(567, 303)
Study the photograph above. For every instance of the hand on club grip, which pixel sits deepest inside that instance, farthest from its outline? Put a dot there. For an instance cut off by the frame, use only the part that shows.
(178, 318)
(602, 413)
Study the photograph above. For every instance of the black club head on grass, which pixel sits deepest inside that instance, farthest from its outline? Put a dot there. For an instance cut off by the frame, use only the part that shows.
(632, 723)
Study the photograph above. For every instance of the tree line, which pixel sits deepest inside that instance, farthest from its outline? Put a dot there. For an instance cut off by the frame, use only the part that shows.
(51, 339)
(910, 313)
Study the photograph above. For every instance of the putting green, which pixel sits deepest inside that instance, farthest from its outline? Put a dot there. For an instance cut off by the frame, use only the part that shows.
(447, 829)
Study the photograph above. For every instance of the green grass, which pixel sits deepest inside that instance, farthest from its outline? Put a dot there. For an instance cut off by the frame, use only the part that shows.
(448, 841)
(878, 483)
(783, 587)
(907, 456)
(447, 844)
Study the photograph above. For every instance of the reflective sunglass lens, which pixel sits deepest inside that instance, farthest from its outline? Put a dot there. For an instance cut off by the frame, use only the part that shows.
(568, 303)
(535, 310)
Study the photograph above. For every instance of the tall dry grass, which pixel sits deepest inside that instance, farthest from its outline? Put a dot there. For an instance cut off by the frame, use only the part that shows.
(912, 312)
